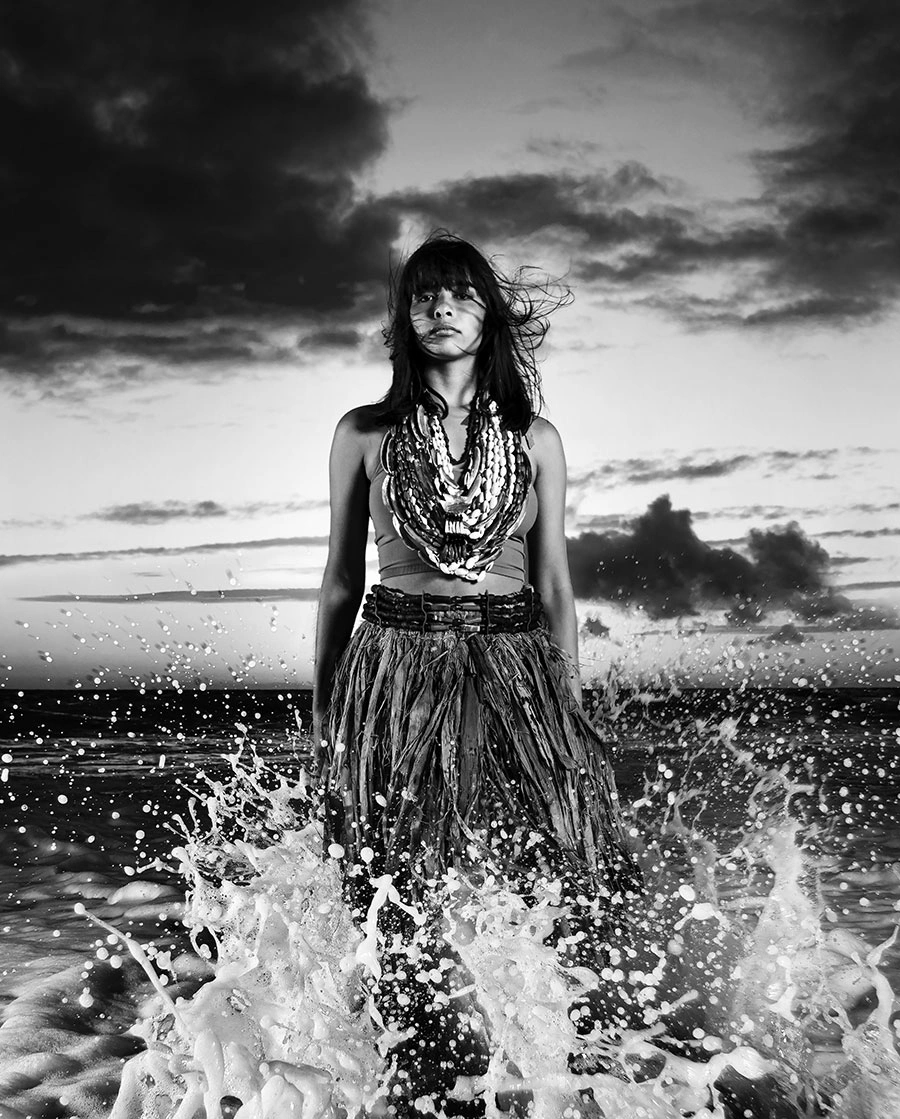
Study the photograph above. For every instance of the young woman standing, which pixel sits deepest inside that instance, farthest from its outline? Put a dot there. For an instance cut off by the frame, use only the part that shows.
(450, 719)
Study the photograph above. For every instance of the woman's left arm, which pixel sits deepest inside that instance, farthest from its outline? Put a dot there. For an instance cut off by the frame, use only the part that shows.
(547, 559)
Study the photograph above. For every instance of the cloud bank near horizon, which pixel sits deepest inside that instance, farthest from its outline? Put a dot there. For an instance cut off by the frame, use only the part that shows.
(660, 565)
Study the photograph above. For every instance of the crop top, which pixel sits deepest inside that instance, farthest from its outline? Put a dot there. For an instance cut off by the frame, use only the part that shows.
(397, 558)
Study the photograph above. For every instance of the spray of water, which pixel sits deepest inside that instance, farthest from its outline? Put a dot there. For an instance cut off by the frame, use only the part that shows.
(743, 999)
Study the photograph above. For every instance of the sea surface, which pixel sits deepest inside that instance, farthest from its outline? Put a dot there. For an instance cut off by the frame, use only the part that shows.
(768, 824)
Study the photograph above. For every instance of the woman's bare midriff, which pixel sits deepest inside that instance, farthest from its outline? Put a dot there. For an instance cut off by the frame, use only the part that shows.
(451, 586)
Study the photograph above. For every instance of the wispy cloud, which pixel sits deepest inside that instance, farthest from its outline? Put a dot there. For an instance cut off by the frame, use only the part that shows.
(227, 594)
(863, 533)
(644, 471)
(187, 549)
(147, 513)
(700, 465)
(152, 513)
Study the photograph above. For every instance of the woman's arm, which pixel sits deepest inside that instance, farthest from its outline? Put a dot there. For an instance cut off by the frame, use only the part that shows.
(343, 583)
(547, 559)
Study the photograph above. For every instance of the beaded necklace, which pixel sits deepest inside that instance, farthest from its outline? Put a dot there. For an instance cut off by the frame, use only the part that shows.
(457, 525)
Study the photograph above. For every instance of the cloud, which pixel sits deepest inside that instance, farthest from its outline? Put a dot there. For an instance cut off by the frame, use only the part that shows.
(703, 464)
(626, 241)
(643, 471)
(786, 560)
(152, 513)
(662, 565)
(228, 594)
(268, 508)
(146, 513)
(66, 357)
(198, 166)
(820, 240)
(835, 611)
(865, 534)
(826, 237)
(832, 186)
(494, 208)
(335, 338)
(184, 550)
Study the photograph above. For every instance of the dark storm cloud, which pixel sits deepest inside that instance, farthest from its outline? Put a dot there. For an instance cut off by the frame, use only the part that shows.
(662, 565)
(342, 338)
(821, 241)
(835, 188)
(53, 343)
(627, 245)
(629, 248)
(828, 247)
(48, 344)
(498, 207)
(228, 594)
(161, 162)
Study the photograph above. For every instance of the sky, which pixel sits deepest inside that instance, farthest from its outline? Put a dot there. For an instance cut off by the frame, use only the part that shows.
(200, 210)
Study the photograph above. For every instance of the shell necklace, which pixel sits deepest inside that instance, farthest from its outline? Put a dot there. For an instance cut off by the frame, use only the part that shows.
(458, 525)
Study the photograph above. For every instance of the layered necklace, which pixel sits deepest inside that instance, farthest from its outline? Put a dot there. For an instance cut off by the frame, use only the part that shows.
(458, 525)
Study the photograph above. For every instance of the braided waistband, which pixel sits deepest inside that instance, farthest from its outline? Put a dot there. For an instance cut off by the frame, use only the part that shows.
(435, 613)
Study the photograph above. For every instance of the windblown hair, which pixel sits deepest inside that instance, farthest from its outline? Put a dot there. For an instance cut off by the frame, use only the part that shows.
(516, 321)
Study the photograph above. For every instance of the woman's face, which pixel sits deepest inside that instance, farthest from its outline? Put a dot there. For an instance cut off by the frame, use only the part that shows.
(448, 322)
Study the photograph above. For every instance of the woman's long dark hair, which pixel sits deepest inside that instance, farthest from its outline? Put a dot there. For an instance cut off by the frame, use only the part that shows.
(515, 324)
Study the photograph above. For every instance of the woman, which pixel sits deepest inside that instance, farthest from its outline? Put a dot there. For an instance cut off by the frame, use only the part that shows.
(450, 721)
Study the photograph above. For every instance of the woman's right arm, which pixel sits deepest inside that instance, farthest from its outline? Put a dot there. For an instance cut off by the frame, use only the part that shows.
(343, 583)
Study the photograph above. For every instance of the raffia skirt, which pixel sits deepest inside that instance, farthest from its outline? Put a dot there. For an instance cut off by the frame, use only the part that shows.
(454, 740)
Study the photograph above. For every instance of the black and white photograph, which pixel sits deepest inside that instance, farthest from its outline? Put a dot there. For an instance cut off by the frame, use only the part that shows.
(450, 559)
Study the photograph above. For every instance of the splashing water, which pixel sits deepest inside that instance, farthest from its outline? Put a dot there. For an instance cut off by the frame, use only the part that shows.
(745, 998)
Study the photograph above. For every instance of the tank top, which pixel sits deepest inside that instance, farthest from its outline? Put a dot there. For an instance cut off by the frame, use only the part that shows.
(396, 557)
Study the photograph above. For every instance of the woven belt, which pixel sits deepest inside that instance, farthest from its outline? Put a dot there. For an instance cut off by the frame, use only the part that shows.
(435, 613)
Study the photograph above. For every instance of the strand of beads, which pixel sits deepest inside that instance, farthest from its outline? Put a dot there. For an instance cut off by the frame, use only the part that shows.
(458, 526)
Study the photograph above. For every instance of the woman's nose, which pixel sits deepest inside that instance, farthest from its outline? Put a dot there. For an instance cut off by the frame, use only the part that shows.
(442, 307)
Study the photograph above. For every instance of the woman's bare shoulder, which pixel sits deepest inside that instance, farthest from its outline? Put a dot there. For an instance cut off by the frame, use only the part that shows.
(358, 437)
(545, 437)
(359, 420)
(359, 425)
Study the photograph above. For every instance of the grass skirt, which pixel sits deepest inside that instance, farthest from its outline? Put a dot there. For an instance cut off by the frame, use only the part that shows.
(465, 753)
(451, 749)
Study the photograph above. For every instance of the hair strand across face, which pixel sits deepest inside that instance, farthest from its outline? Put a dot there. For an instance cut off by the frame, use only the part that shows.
(516, 321)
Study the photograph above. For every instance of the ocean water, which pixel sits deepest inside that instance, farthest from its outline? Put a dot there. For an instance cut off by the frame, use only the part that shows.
(761, 978)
